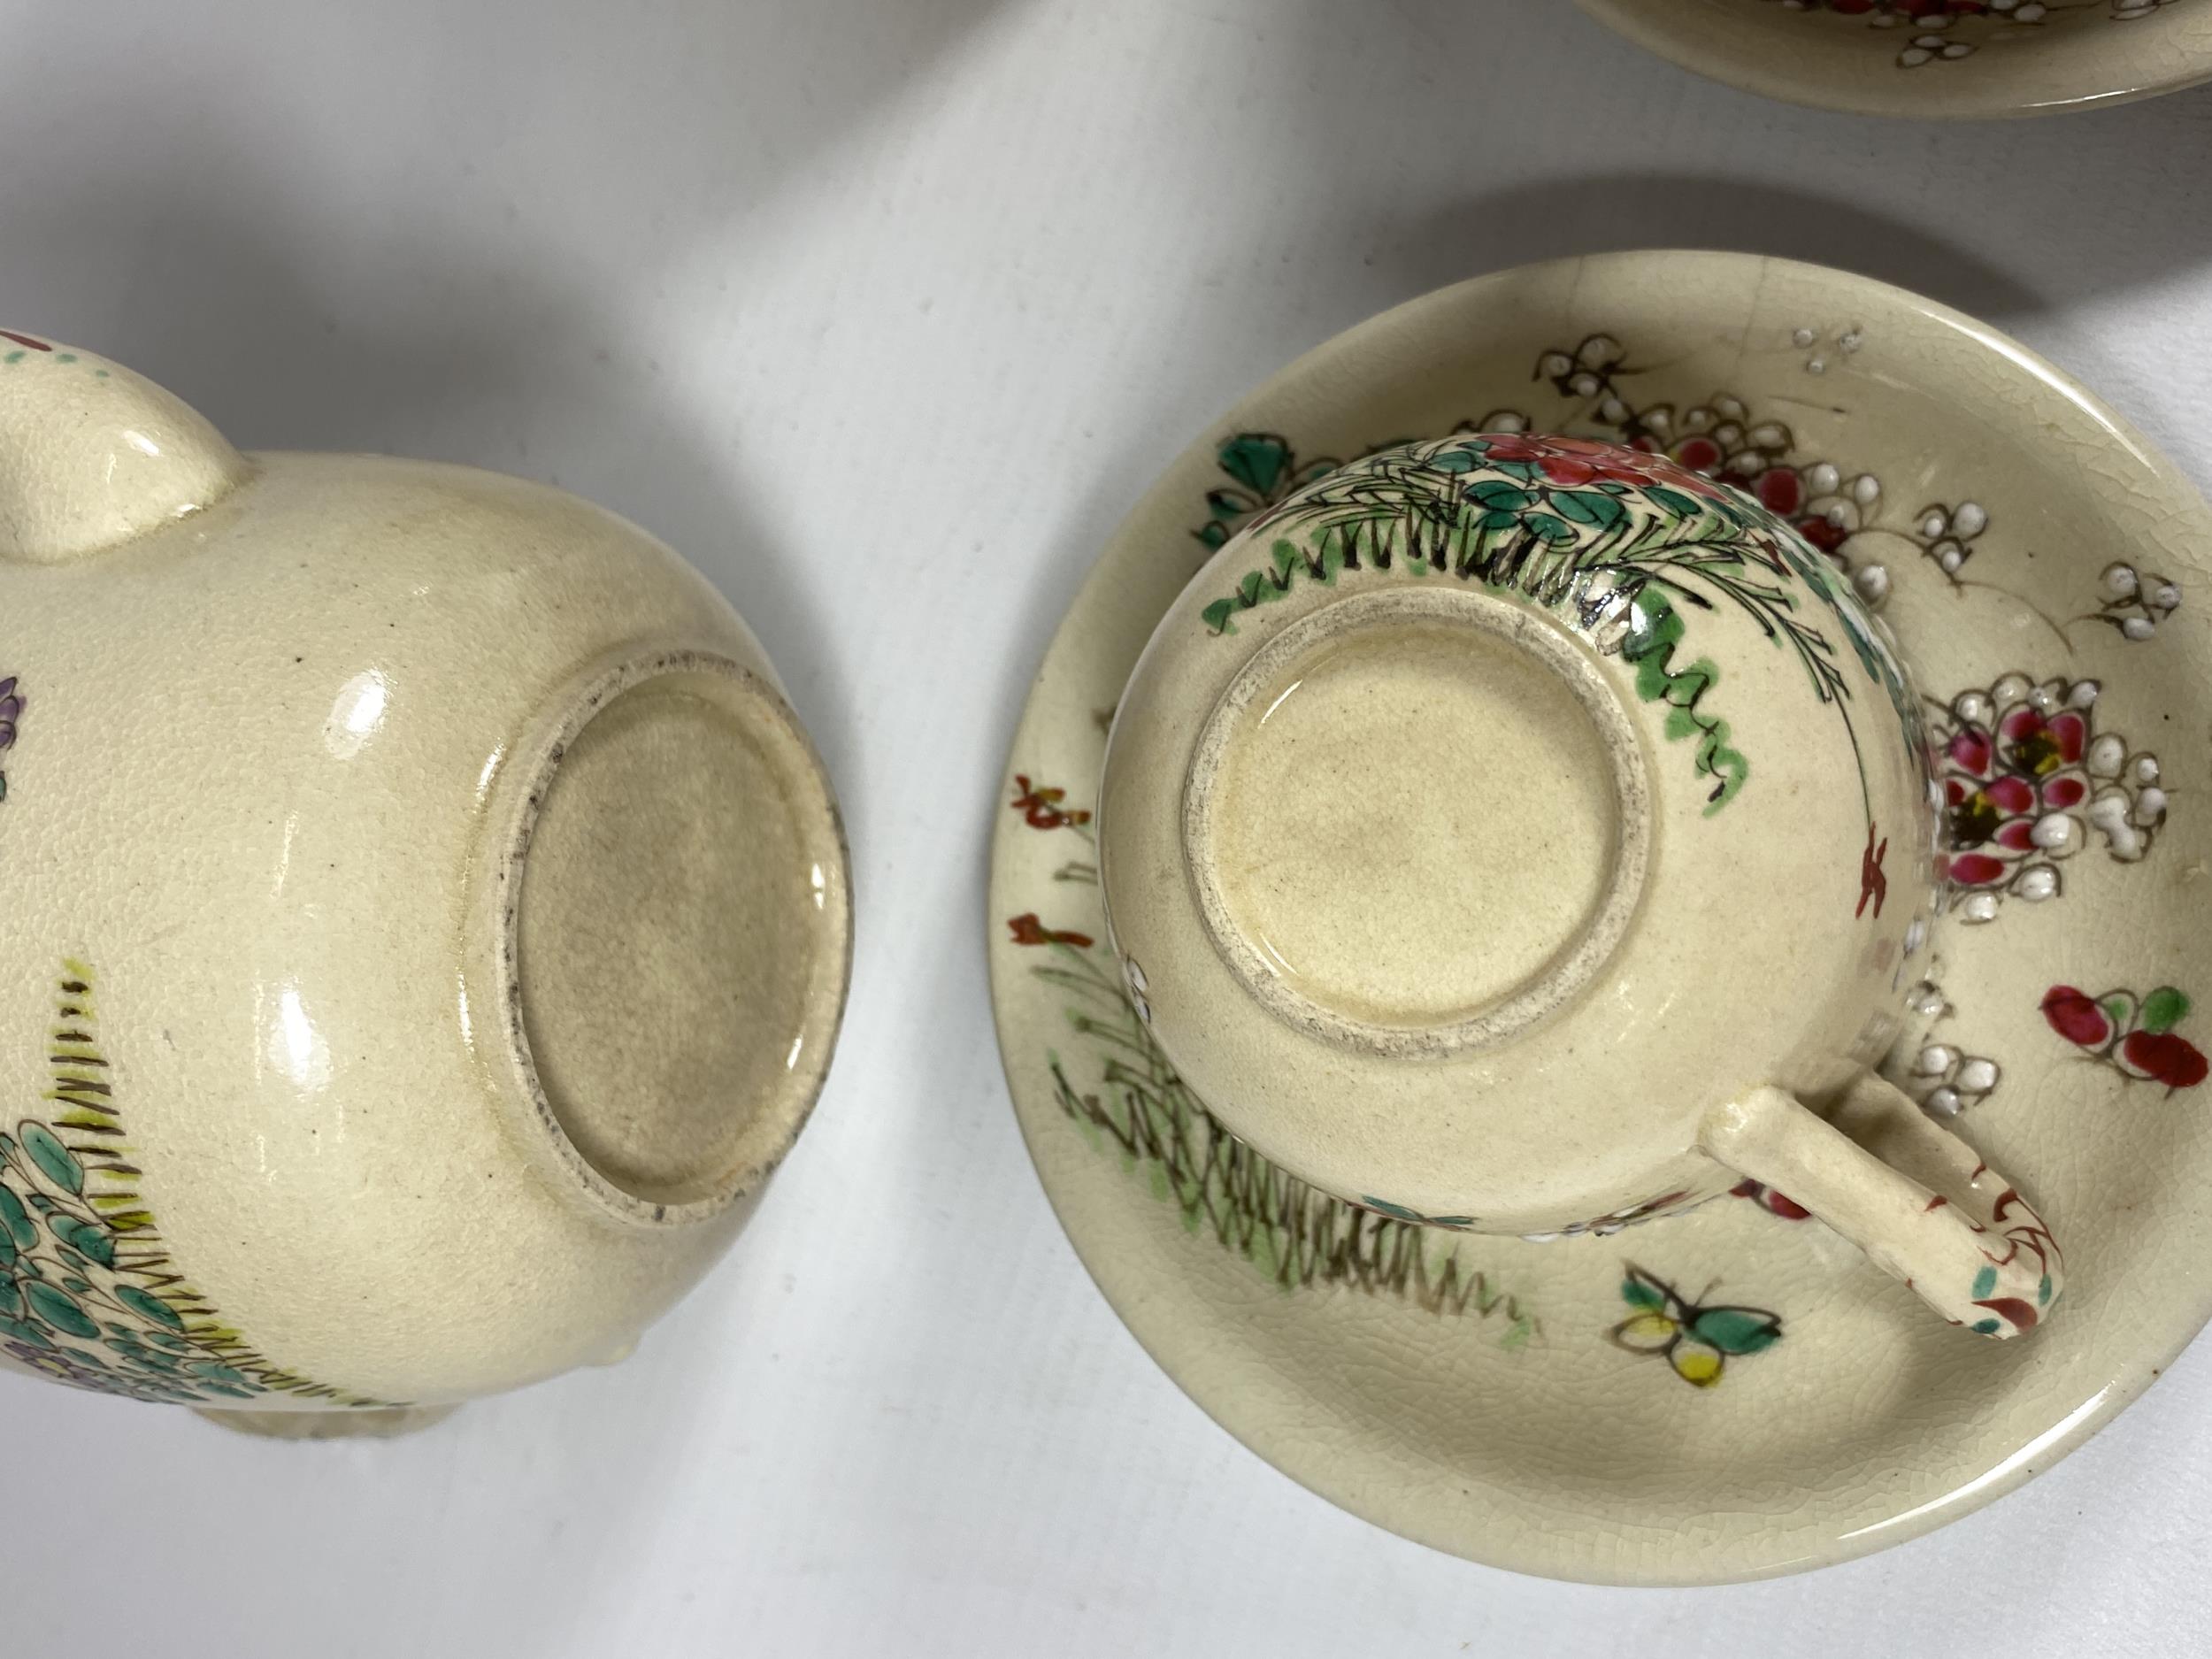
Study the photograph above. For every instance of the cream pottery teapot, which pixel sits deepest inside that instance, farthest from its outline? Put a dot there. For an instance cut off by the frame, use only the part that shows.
(428, 923)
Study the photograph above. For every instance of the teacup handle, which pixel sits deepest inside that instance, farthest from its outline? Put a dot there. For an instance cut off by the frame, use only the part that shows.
(1913, 1196)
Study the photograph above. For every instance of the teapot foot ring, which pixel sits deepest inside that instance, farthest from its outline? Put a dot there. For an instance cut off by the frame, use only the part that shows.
(673, 935)
(379, 1423)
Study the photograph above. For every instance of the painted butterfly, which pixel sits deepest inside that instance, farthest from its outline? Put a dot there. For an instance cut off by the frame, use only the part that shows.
(1697, 1341)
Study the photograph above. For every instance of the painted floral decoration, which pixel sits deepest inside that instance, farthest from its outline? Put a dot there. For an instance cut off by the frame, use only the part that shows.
(1724, 439)
(1046, 809)
(1719, 439)
(1773, 1202)
(1698, 1342)
(1029, 931)
(1947, 1080)
(10, 711)
(90, 1294)
(2027, 777)
(2134, 1035)
(1124, 1095)
(2132, 604)
(1264, 469)
(1626, 549)
(1938, 25)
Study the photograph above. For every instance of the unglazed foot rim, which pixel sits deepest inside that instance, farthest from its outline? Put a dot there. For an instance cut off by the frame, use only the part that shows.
(382, 1423)
(1587, 946)
(774, 1120)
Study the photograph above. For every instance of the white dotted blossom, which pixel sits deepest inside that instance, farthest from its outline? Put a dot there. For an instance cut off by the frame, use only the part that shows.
(1947, 534)
(1932, 48)
(1939, 34)
(2133, 603)
(1943, 1077)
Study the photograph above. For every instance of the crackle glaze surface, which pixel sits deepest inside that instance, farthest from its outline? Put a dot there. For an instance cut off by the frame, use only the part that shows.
(1395, 977)
(1960, 58)
(1732, 1392)
(335, 784)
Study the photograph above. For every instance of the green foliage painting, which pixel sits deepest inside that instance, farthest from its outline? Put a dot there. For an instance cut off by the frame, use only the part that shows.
(1625, 546)
(1125, 1097)
(90, 1294)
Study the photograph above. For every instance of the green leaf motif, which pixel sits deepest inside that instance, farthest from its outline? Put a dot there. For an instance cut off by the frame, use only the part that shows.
(13, 1217)
(1453, 506)
(2164, 1009)
(1737, 1330)
(57, 1161)
(152, 1306)
(1589, 506)
(1256, 459)
(1985, 1283)
(20, 1331)
(1651, 649)
(88, 1238)
(59, 1310)
(1500, 496)
(10, 1300)
(1639, 1293)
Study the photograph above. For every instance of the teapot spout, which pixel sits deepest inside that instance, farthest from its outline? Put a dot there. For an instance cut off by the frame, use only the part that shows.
(93, 455)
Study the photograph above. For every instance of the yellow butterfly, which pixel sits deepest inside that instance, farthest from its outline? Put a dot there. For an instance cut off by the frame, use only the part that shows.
(1697, 1341)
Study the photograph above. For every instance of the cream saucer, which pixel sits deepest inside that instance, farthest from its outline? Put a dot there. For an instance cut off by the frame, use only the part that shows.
(1735, 1392)
(1949, 58)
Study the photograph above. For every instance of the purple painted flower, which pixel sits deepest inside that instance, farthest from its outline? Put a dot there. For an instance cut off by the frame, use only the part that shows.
(11, 709)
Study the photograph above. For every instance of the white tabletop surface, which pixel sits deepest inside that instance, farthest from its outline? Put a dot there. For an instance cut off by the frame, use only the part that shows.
(882, 310)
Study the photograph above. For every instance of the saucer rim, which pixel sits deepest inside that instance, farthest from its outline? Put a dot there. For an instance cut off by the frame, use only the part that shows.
(1763, 74)
(1264, 1428)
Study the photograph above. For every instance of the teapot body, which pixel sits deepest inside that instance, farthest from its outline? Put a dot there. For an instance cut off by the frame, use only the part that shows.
(272, 968)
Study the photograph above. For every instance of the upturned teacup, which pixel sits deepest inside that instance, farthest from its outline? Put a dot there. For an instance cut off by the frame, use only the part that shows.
(1528, 836)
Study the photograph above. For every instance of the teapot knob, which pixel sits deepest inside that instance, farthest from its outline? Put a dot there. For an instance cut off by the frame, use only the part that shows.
(93, 455)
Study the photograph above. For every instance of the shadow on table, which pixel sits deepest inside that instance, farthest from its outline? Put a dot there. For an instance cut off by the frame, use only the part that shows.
(164, 229)
(1569, 140)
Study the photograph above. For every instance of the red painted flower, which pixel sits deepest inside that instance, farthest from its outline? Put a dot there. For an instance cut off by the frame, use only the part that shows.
(1573, 463)
(1873, 880)
(1042, 808)
(1759, 467)
(1029, 931)
(2012, 791)
(2077, 1018)
(2134, 1035)
(2173, 1061)
(1773, 1202)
